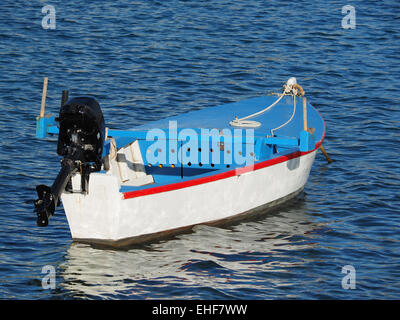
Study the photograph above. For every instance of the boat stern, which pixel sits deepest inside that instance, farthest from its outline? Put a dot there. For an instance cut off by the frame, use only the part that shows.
(93, 215)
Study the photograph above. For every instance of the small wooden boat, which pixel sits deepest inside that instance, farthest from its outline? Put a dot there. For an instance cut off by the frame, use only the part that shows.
(206, 166)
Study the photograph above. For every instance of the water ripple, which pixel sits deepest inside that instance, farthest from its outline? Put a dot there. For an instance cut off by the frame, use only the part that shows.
(147, 60)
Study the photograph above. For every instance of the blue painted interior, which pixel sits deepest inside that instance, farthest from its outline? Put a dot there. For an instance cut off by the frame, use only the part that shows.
(288, 139)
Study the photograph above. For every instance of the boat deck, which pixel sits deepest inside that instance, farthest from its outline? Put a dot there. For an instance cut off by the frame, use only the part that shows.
(218, 118)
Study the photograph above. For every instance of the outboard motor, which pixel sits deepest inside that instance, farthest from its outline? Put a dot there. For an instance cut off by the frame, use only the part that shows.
(80, 142)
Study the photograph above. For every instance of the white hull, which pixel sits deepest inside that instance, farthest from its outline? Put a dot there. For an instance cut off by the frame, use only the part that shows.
(104, 216)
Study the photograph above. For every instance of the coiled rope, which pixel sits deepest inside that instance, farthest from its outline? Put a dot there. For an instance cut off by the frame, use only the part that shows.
(291, 88)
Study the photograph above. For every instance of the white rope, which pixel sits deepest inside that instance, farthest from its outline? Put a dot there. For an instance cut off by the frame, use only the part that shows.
(242, 121)
(245, 123)
(290, 88)
(264, 110)
(291, 118)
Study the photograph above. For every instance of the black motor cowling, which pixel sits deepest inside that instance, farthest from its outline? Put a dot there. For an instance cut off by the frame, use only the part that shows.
(80, 142)
(81, 135)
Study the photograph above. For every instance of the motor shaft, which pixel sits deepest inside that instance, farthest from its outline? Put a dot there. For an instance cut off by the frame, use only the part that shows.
(49, 197)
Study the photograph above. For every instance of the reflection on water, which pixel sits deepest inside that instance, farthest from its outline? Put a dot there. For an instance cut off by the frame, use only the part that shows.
(208, 257)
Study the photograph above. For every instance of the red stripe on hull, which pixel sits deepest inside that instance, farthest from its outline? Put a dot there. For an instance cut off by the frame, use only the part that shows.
(218, 176)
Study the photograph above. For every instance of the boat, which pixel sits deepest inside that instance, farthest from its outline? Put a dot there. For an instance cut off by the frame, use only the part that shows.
(209, 166)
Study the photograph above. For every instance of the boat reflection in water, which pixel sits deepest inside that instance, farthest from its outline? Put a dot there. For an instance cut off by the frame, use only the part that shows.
(219, 260)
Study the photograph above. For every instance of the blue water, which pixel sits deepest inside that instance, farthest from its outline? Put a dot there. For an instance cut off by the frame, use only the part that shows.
(148, 60)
